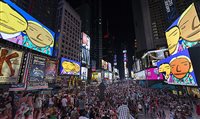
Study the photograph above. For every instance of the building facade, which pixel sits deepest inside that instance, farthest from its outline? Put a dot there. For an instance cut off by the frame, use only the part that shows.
(68, 24)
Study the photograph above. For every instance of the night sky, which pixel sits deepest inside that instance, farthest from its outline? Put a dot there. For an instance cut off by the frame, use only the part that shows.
(119, 17)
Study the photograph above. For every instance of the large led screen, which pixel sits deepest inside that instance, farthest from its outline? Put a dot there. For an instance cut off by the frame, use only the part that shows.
(86, 41)
(109, 67)
(69, 67)
(84, 73)
(85, 56)
(140, 75)
(10, 63)
(19, 27)
(184, 32)
(153, 74)
(104, 64)
(50, 71)
(177, 69)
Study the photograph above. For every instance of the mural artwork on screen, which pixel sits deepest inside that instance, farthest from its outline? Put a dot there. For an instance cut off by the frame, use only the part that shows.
(184, 32)
(177, 69)
(20, 28)
(153, 74)
(69, 67)
(10, 62)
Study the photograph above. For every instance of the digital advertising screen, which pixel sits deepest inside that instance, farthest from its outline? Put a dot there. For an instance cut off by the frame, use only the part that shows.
(184, 32)
(104, 65)
(85, 56)
(84, 73)
(153, 74)
(140, 75)
(50, 70)
(10, 65)
(37, 72)
(178, 69)
(93, 62)
(96, 76)
(110, 76)
(109, 67)
(106, 75)
(69, 67)
(86, 41)
(19, 27)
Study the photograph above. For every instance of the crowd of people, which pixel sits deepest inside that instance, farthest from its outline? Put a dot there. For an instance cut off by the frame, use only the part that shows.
(117, 101)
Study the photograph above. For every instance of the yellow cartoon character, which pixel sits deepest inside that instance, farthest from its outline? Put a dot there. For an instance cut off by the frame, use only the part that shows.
(165, 68)
(186, 33)
(68, 66)
(11, 22)
(76, 68)
(39, 35)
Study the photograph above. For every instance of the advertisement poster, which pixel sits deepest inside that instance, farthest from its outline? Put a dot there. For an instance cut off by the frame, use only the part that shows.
(84, 73)
(51, 70)
(140, 75)
(85, 56)
(69, 67)
(96, 76)
(106, 75)
(10, 63)
(86, 41)
(109, 67)
(37, 71)
(110, 76)
(177, 69)
(93, 65)
(153, 74)
(20, 28)
(184, 32)
(104, 65)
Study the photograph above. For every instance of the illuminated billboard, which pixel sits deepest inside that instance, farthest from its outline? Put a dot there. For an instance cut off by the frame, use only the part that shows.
(85, 56)
(50, 70)
(84, 73)
(20, 28)
(86, 41)
(184, 32)
(93, 62)
(37, 69)
(140, 75)
(104, 64)
(153, 74)
(178, 69)
(69, 67)
(109, 67)
(10, 65)
(96, 76)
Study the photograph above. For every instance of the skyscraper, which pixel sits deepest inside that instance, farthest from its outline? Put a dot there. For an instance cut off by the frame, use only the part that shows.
(68, 23)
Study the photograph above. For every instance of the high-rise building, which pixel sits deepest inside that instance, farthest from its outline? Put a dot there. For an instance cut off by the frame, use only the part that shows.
(68, 23)
(152, 18)
(43, 10)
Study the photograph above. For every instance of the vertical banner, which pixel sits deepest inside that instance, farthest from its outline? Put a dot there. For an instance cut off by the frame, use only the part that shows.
(37, 73)
(51, 71)
(170, 10)
(10, 65)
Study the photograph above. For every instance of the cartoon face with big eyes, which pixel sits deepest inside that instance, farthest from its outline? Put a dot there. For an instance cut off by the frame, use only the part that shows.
(165, 68)
(39, 35)
(180, 67)
(172, 37)
(189, 24)
(67, 66)
(10, 21)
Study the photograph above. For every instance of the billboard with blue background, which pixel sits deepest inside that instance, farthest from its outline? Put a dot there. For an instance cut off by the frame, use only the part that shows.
(69, 67)
(178, 69)
(19, 27)
(184, 32)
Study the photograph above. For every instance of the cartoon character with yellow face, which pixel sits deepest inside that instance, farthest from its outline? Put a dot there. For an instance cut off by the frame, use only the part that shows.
(11, 22)
(165, 68)
(69, 67)
(181, 68)
(186, 33)
(39, 38)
